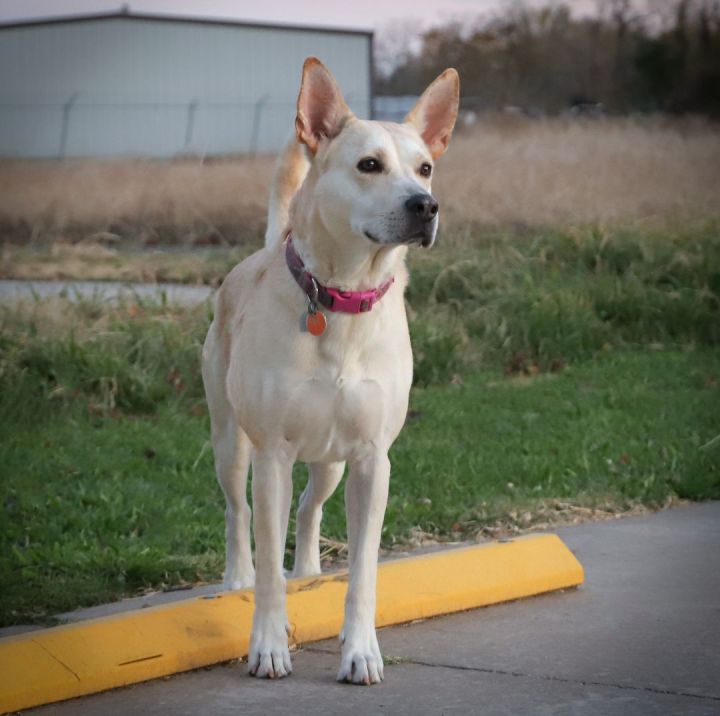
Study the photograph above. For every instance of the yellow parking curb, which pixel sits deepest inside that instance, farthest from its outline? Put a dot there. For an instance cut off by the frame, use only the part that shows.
(50, 665)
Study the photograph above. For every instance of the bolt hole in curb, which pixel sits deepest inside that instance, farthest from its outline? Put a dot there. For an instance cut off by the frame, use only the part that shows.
(72, 660)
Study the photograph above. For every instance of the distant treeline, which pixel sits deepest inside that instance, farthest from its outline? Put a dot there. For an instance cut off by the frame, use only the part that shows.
(663, 55)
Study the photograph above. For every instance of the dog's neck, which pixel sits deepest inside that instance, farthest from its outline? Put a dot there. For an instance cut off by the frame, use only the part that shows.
(349, 263)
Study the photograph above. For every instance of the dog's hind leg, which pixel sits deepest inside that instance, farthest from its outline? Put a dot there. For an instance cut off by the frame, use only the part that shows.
(324, 478)
(232, 461)
(232, 449)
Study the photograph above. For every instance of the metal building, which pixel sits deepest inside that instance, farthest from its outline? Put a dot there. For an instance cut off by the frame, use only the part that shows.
(137, 84)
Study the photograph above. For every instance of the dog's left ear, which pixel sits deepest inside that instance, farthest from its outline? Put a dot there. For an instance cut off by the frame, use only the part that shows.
(321, 109)
(435, 113)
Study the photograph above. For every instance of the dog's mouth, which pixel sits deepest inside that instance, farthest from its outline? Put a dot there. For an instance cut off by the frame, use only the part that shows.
(423, 238)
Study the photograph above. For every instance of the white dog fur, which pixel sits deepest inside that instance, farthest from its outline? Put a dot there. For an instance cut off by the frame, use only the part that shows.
(278, 394)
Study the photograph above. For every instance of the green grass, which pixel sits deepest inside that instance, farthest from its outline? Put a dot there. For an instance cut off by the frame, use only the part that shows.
(535, 302)
(553, 371)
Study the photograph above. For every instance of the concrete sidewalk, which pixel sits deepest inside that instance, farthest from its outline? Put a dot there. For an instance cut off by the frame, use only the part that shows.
(642, 636)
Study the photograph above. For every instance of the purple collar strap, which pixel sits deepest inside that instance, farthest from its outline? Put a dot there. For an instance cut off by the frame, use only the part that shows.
(331, 298)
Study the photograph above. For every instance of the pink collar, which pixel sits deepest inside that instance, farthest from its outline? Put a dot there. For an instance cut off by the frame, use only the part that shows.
(331, 298)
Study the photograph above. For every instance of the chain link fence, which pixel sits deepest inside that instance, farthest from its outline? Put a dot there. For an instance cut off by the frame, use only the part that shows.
(82, 127)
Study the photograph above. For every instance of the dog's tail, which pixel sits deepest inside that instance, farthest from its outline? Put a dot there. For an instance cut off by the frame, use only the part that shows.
(290, 170)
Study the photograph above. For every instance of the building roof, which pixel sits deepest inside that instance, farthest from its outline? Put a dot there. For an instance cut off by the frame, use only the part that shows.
(126, 14)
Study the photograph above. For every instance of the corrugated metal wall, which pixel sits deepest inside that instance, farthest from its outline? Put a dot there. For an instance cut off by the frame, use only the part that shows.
(139, 86)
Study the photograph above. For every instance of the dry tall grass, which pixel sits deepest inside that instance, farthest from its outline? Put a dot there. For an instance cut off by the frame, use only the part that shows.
(94, 195)
(504, 171)
(558, 171)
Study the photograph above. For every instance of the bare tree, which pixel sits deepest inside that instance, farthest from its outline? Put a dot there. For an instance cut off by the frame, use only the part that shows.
(632, 55)
(396, 43)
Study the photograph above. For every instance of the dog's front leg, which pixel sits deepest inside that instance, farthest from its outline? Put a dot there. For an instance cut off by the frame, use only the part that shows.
(271, 490)
(366, 494)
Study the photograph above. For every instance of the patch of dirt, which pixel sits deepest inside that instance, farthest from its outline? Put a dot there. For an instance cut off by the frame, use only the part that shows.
(547, 515)
(100, 259)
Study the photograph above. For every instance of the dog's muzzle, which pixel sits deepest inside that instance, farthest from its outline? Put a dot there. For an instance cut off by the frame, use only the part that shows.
(422, 209)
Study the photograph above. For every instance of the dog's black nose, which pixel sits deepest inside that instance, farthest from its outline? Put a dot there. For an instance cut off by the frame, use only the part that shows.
(423, 206)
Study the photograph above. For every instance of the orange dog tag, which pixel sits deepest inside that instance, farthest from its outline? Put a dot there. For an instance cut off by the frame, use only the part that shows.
(316, 323)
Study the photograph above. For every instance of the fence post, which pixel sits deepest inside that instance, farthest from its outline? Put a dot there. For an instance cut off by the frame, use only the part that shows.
(65, 126)
(190, 125)
(257, 116)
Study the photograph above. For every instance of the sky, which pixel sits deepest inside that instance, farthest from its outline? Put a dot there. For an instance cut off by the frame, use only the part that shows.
(363, 14)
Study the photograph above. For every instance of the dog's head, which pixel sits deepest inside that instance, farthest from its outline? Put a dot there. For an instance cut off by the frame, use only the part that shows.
(370, 181)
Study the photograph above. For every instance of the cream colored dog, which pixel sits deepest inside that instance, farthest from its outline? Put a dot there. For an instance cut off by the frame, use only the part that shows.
(287, 380)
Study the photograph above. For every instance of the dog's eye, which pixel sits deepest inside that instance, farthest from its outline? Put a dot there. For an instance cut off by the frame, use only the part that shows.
(369, 165)
(425, 169)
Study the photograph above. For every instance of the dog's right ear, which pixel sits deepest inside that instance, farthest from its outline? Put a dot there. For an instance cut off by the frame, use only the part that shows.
(321, 109)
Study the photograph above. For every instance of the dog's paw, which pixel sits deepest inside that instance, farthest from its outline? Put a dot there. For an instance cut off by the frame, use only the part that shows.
(235, 584)
(309, 569)
(361, 661)
(246, 580)
(269, 655)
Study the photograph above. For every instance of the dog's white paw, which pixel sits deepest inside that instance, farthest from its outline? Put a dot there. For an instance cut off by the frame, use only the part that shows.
(269, 655)
(306, 570)
(361, 661)
(233, 581)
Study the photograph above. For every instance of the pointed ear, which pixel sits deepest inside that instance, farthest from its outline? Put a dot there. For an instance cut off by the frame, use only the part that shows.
(435, 112)
(321, 109)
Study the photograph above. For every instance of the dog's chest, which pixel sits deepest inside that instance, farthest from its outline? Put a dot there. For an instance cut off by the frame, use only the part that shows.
(327, 397)
(326, 414)
(328, 419)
